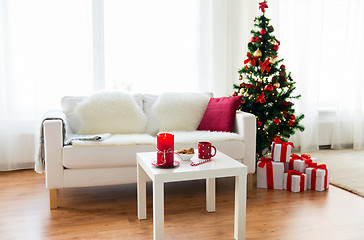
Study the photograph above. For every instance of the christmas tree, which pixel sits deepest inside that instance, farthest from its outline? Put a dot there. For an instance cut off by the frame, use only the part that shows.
(267, 87)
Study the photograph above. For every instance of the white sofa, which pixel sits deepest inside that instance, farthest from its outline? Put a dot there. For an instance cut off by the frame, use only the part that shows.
(113, 162)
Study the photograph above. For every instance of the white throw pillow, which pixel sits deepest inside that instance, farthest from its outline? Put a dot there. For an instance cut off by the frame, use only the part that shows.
(153, 123)
(110, 112)
(69, 104)
(178, 111)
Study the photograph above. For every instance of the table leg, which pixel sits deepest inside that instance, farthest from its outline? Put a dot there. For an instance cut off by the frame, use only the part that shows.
(210, 194)
(142, 196)
(240, 207)
(158, 210)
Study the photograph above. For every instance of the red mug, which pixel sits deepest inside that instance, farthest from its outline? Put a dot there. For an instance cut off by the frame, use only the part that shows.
(204, 150)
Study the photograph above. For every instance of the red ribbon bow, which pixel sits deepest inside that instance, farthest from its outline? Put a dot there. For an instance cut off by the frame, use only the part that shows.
(250, 58)
(268, 162)
(289, 179)
(304, 157)
(263, 161)
(263, 6)
(279, 141)
(261, 98)
(264, 65)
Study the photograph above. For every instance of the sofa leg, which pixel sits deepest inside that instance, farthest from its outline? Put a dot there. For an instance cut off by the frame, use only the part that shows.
(250, 181)
(53, 198)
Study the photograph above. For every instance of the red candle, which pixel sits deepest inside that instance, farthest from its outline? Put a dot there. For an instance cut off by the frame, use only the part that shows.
(165, 149)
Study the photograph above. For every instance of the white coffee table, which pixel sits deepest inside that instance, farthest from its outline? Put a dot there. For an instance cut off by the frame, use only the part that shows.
(220, 166)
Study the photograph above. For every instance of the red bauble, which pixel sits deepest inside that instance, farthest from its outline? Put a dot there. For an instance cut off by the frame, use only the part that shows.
(269, 88)
(283, 67)
(235, 94)
(276, 121)
(254, 39)
(293, 117)
(259, 123)
(262, 31)
(275, 47)
(291, 122)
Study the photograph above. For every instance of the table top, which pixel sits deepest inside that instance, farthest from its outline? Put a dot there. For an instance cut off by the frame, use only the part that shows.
(220, 166)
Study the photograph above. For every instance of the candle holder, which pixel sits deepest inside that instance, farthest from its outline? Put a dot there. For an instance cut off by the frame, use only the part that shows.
(165, 150)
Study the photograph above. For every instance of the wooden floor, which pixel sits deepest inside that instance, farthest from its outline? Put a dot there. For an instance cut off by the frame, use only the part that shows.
(111, 212)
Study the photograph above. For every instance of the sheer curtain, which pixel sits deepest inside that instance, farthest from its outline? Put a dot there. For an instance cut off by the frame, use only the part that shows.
(321, 42)
(49, 49)
(178, 45)
(44, 55)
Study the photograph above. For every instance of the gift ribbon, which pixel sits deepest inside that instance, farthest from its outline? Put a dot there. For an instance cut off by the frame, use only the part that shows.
(289, 180)
(315, 167)
(164, 153)
(277, 140)
(269, 169)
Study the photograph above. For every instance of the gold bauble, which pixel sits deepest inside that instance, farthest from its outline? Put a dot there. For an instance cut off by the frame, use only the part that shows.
(272, 60)
(277, 85)
(257, 53)
(241, 90)
(246, 94)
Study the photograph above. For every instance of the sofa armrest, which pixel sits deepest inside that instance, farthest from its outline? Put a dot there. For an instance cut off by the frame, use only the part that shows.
(53, 145)
(245, 125)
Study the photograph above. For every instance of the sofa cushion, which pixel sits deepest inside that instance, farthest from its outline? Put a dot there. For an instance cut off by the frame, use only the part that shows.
(220, 114)
(69, 104)
(119, 139)
(180, 111)
(110, 112)
(198, 136)
(92, 157)
(103, 156)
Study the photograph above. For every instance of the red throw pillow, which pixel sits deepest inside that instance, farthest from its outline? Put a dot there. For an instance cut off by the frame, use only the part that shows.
(220, 114)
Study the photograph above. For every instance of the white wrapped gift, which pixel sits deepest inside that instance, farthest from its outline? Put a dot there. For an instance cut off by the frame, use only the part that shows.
(299, 162)
(281, 151)
(295, 181)
(317, 177)
(270, 174)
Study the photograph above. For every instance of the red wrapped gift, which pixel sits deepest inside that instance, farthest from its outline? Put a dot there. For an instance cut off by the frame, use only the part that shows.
(295, 181)
(281, 151)
(317, 177)
(270, 174)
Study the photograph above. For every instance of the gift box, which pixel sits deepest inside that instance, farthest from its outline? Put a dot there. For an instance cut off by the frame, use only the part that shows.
(295, 181)
(299, 162)
(270, 174)
(281, 151)
(317, 177)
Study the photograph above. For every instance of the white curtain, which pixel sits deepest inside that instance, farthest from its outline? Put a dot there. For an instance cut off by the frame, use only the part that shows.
(44, 55)
(173, 45)
(321, 42)
(53, 48)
